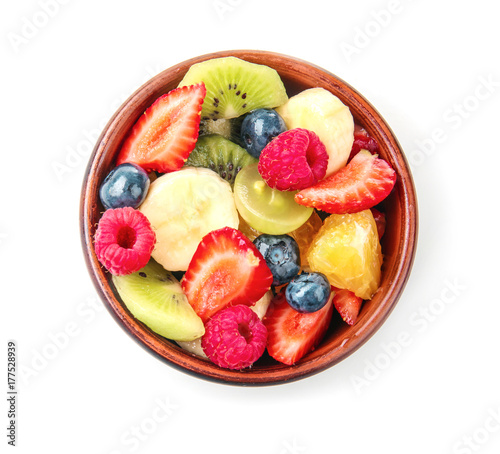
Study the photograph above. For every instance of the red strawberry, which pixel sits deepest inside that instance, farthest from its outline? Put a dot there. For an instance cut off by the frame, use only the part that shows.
(380, 221)
(166, 133)
(362, 141)
(226, 270)
(361, 184)
(347, 304)
(292, 334)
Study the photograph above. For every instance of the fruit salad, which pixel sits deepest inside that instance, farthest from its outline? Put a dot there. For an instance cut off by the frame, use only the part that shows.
(238, 220)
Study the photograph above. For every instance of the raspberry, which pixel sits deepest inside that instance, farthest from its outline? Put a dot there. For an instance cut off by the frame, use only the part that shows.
(294, 160)
(124, 241)
(234, 337)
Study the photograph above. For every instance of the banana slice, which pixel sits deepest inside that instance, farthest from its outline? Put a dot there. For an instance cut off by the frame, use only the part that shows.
(320, 111)
(193, 347)
(184, 206)
(260, 308)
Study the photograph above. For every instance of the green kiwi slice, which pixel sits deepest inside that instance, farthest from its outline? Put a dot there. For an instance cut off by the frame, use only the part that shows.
(155, 297)
(230, 128)
(235, 87)
(220, 155)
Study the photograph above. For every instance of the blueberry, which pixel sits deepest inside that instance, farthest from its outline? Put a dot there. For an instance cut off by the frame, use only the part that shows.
(258, 129)
(308, 292)
(282, 255)
(125, 186)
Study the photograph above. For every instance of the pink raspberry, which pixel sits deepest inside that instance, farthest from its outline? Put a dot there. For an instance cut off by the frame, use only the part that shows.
(124, 240)
(234, 337)
(294, 160)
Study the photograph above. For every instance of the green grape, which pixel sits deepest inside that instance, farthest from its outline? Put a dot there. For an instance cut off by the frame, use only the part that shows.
(265, 209)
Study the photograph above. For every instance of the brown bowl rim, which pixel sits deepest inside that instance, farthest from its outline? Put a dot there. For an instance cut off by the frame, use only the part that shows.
(178, 358)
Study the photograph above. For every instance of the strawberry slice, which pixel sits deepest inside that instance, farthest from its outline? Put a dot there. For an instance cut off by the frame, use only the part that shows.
(292, 334)
(362, 141)
(361, 184)
(226, 270)
(347, 304)
(166, 133)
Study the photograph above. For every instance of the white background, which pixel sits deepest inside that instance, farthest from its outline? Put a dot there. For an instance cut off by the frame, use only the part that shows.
(86, 387)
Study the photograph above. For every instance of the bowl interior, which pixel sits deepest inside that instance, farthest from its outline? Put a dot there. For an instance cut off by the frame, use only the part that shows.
(398, 244)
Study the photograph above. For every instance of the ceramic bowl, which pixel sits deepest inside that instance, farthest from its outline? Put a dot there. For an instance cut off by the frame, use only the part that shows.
(398, 243)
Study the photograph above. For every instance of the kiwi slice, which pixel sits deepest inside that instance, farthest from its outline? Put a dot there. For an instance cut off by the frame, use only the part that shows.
(220, 155)
(155, 298)
(230, 128)
(235, 87)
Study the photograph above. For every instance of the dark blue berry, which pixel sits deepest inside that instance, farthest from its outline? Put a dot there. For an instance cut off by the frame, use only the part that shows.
(125, 186)
(282, 255)
(258, 129)
(308, 292)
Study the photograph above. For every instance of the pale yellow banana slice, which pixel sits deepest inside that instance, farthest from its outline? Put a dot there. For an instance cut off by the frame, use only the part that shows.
(322, 112)
(260, 307)
(184, 206)
(193, 347)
